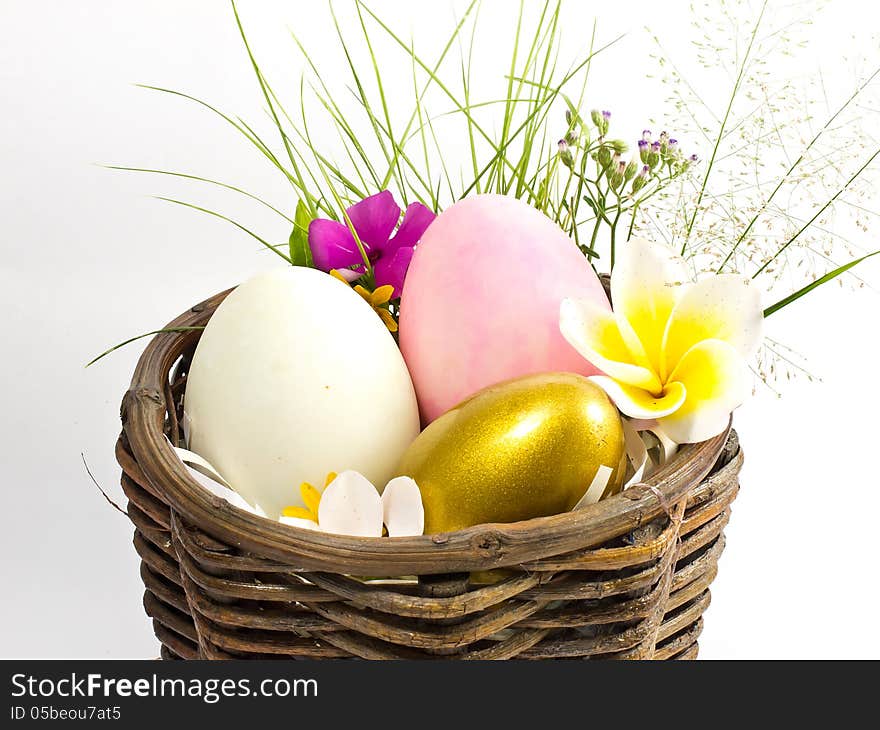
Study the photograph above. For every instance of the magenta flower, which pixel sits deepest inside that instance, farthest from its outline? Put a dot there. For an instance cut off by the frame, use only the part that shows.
(374, 218)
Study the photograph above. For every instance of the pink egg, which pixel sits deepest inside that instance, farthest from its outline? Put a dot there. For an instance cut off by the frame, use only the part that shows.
(481, 300)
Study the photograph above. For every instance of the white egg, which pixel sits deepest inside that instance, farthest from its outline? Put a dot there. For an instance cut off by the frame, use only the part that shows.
(296, 376)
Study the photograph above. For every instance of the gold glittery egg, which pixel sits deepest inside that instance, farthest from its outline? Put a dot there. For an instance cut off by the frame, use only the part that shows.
(524, 448)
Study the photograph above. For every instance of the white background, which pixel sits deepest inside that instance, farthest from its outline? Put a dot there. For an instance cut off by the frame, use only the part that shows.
(89, 259)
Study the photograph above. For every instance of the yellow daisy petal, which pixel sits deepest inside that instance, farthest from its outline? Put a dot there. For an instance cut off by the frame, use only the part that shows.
(330, 477)
(388, 319)
(365, 295)
(382, 295)
(594, 333)
(337, 275)
(717, 380)
(311, 497)
(300, 513)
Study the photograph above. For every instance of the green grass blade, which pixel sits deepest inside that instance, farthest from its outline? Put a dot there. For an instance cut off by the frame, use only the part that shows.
(505, 126)
(140, 337)
(423, 137)
(228, 220)
(394, 166)
(336, 197)
(819, 282)
(431, 73)
(466, 87)
(327, 100)
(362, 96)
(268, 95)
(546, 102)
(239, 126)
(204, 180)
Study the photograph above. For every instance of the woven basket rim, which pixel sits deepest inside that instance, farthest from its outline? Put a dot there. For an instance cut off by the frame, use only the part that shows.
(481, 547)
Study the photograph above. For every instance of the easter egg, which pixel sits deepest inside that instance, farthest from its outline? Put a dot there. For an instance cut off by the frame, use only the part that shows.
(481, 300)
(525, 448)
(294, 377)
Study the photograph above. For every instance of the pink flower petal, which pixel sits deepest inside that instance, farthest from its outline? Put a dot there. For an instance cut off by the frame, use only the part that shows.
(332, 245)
(374, 219)
(392, 270)
(351, 275)
(415, 222)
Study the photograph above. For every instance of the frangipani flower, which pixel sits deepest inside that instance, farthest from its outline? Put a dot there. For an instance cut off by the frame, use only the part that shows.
(671, 351)
(351, 505)
(374, 219)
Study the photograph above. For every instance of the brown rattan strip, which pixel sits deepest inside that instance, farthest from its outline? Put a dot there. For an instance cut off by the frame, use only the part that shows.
(680, 642)
(684, 616)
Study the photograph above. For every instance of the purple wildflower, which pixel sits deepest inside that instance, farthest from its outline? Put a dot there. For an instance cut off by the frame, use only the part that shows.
(374, 219)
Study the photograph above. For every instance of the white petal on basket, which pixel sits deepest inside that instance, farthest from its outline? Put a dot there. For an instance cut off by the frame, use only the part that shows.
(636, 452)
(597, 486)
(402, 509)
(350, 505)
(208, 477)
(186, 427)
(299, 522)
(200, 464)
(668, 447)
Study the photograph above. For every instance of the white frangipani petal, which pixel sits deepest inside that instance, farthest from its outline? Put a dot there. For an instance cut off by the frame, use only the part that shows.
(403, 512)
(640, 403)
(717, 380)
(595, 334)
(350, 505)
(724, 307)
(647, 283)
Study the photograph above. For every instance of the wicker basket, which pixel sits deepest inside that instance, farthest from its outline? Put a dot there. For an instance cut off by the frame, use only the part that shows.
(626, 578)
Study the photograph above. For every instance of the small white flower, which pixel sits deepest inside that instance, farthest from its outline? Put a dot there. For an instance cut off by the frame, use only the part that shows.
(351, 505)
